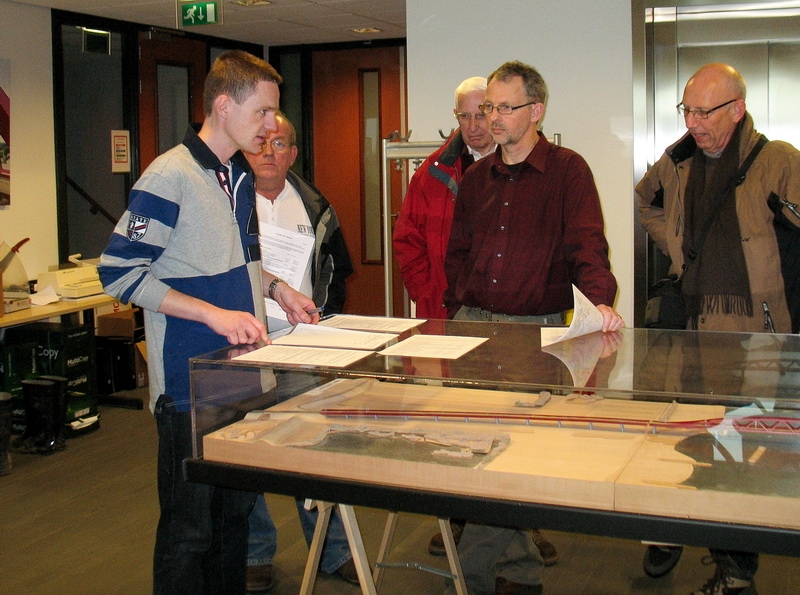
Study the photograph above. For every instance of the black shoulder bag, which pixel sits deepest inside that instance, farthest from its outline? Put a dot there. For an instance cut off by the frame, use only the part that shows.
(666, 307)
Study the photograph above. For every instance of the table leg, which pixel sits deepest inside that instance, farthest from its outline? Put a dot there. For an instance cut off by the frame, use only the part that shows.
(383, 552)
(452, 556)
(315, 549)
(357, 549)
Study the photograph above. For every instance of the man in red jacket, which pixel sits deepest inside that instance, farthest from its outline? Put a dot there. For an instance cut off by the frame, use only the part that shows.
(423, 226)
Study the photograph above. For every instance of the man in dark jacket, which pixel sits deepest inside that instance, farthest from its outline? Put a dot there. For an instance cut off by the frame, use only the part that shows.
(290, 210)
(292, 213)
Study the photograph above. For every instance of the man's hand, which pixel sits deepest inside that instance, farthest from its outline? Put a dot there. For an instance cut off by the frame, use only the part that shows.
(611, 320)
(236, 326)
(611, 342)
(295, 304)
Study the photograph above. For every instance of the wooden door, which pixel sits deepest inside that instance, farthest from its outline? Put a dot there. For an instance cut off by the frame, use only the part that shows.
(346, 85)
(172, 72)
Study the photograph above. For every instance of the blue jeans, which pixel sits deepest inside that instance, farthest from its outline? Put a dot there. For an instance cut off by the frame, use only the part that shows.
(263, 542)
(201, 539)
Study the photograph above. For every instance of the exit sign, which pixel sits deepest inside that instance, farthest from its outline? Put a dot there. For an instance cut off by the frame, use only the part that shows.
(191, 14)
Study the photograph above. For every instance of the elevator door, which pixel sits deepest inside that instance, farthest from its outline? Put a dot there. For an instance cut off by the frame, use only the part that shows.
(761, 40)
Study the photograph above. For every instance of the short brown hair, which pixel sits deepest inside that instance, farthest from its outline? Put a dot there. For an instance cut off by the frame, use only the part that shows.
(236, 73)
(535, 87)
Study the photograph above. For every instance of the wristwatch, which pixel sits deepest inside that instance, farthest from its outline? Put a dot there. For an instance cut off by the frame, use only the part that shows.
(272, 286)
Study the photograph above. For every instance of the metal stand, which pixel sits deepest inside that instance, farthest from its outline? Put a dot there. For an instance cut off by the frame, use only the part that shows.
(398, 149)
(371, 581)
(449, 545)
(353, 539)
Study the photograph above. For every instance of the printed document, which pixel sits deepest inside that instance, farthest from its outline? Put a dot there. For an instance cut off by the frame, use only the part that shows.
(310, 356)
(285, 254)
(313, 335)
(434, 346)
(586, 318)
(371, 323)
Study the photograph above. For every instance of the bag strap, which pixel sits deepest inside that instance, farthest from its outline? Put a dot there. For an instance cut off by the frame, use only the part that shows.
(740, 177)
(762, 140)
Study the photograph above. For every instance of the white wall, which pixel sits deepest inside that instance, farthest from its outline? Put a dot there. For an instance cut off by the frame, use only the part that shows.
(25, 42)
(582, 49)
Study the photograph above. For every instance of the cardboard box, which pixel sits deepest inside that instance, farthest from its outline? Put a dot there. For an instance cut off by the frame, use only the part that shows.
(111, 308)
(17, 363)
(80, 405)
(61, 348)
(121, 351)
(125, 323)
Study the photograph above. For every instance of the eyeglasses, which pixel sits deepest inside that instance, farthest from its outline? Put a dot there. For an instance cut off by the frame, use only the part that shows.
(278, 145)
(700, 114)
(503, 110)
(465, 117)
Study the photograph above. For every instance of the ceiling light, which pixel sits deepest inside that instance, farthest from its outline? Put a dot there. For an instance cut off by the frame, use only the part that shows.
(366, 30)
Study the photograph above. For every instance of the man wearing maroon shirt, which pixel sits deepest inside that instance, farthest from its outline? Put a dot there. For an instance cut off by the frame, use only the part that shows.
(527, 226)
(527, 223)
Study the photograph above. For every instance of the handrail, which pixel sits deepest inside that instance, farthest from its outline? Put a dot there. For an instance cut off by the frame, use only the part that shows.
(95, 207)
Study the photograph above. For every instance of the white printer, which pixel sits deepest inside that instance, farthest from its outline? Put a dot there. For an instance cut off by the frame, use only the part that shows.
(80, 281)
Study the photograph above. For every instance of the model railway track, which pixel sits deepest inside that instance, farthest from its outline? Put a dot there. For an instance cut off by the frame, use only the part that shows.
(760, 424)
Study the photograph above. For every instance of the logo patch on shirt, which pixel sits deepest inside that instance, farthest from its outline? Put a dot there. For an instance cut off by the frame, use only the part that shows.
(137, 227)
(305, 230)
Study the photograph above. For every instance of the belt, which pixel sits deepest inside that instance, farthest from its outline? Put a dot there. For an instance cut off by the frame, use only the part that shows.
(479, 313)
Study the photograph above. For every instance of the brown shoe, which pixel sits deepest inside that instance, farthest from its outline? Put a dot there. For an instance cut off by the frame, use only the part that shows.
(348, 572)
(259, 578)
(503, 586)
(436, 545)
(546, 549)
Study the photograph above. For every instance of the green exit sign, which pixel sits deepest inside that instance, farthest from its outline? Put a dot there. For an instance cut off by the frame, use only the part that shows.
(191, 14)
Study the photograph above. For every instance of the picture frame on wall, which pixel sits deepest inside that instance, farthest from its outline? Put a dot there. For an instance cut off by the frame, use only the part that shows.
(5, 135)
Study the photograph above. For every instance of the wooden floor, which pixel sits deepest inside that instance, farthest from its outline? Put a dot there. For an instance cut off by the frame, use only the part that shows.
(83, 521)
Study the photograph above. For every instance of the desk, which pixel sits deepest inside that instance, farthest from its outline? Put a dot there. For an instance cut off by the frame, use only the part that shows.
(742, 453)
(59, 308)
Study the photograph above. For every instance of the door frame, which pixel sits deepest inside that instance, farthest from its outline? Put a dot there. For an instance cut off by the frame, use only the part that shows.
(130, 109)
(300, 108)
(280, 55)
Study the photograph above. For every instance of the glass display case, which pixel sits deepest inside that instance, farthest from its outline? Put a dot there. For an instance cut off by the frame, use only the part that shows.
(674, 436)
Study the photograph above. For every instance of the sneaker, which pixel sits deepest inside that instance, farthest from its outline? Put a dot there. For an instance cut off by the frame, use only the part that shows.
(546, 549)
(660, 559)
(259, 578)
(436, 545)
(723, 583)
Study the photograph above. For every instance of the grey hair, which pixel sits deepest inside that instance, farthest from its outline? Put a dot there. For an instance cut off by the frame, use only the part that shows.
(470, 85)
